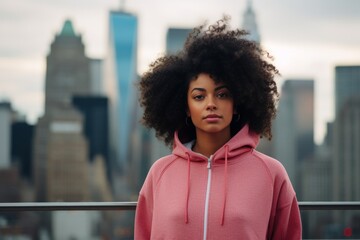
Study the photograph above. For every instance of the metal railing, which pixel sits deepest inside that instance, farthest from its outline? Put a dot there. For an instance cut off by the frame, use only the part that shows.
(98, 206)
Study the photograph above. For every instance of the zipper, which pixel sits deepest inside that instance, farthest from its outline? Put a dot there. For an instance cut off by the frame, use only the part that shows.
(207, 198)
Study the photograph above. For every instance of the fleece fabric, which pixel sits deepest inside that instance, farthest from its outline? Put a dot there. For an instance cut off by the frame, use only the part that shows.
(238, 193)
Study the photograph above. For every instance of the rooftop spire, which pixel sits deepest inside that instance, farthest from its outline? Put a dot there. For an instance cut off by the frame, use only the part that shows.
(67, 29)
(249, 23)
(249, 5)
(122, 5)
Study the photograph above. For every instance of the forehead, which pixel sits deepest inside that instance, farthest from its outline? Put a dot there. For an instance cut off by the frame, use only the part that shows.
(204, 80)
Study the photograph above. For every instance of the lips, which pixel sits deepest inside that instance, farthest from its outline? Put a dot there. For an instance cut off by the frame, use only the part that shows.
(212, 118)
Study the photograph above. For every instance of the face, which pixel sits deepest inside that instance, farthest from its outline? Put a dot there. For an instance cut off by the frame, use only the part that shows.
(210, 105)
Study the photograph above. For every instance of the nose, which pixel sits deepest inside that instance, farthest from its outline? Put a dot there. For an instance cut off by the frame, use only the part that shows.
(211, 105)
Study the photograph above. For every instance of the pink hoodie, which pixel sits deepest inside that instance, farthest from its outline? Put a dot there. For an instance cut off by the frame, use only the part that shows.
(238, 193)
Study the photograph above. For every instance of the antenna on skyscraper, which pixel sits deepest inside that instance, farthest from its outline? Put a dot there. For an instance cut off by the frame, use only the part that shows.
(249, 23)
(249, 4)
(122, 5)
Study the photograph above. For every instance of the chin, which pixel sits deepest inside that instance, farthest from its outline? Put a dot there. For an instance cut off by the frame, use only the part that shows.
(215, 130)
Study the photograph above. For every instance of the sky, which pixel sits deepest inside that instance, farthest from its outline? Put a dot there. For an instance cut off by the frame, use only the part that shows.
(307, 39)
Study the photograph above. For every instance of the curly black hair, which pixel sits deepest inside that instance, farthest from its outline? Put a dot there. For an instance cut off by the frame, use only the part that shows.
(228, 57)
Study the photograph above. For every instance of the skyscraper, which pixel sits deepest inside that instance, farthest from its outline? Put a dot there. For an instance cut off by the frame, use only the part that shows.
(67, 69)
(294, 126)
(175, 39)
(22, 146)
(120, 74)
(5, 136)
(67, 159)
(96, 74)
(249, 23)
(95, 112)
(346, 135)
(10, 184)
(60, 149)
(347, 85)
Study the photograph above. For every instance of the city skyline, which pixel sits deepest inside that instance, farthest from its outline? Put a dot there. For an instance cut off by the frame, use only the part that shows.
(308, 39)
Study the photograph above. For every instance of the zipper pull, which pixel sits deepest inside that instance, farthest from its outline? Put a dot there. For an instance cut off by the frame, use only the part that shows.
(209, 162)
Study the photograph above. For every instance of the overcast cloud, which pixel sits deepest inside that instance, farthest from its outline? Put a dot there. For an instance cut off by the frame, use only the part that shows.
(307, 38)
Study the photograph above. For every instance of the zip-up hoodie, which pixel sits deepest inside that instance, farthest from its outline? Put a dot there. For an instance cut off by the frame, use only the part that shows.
(237, 193)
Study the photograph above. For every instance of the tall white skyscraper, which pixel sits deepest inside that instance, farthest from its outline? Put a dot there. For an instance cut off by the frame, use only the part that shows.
(249, 23)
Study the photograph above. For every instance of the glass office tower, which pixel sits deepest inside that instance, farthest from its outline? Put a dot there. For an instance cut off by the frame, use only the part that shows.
(120, 74)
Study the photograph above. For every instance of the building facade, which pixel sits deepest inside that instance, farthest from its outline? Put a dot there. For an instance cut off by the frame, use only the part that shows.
(22, 146)
(120, 74)
(60, 148)
(346, 135)
(249, 23)
(175, 39)
(94, 109)
(5, 136)
(294, 127)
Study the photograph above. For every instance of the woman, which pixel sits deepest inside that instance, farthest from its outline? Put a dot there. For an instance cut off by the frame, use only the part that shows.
(211, 102)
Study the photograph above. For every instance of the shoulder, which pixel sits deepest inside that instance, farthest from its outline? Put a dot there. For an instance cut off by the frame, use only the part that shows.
(274, 167)
(155, 173)
(159, 166)
(282, 186)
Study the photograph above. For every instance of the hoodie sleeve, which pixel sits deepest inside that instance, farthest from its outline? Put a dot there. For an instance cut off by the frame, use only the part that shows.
(285, 221)
(144, 210)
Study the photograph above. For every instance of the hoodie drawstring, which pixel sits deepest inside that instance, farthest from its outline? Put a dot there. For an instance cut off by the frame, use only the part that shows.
(188, 189)
(225, 184)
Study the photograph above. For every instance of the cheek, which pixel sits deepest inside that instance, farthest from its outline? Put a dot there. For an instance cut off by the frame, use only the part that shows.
(230, 109)
(192, 110)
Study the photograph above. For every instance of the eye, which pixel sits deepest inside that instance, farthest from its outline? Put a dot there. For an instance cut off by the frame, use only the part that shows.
(198, 97)
(223, 94)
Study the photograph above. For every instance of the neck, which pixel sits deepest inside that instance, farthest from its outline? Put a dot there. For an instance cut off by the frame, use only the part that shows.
(208, 143)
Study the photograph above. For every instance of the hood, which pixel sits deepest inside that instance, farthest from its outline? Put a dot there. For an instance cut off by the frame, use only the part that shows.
(242, 142)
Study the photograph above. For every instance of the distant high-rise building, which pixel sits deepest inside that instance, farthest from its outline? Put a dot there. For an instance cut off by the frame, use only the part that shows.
(316, 172)
(95, 112)
(120, 74)
(96, 73)
(346, 134)
(346, 152)
(249, 23)
(22, 147)
(10, 185)
(5, 136)
(143, 143)
(67, 173)
(347, 85)
(294, 126)
(10, 180)
(175, 39)
(67, 69)
(60, 149)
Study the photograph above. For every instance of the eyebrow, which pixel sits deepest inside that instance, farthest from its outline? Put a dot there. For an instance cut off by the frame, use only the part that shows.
(204, 90)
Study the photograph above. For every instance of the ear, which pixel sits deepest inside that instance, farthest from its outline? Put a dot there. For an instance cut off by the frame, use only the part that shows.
(187, 112)
(235, 111)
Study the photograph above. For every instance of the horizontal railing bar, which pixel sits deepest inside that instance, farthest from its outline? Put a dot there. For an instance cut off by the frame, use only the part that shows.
(330, 205)
(66, 206)
(102, 206)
